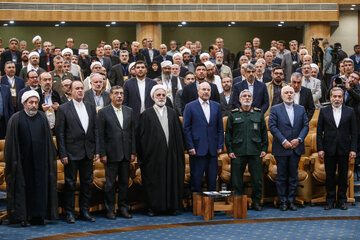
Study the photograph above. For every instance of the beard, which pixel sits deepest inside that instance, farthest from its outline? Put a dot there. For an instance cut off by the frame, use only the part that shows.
(30, 112)
(186, 62)
(160, 103)
(278, 80)
(166, 76)
(247, 104)
(25, 59)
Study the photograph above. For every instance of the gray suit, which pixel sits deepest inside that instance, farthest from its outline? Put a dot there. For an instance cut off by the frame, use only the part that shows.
(89, 97)
(287, 65)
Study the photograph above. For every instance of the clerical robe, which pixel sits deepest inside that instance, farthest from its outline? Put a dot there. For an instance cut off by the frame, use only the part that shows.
(161, 158)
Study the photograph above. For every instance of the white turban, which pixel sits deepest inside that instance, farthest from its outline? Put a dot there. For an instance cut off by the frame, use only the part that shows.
(34, 54)
(131, 65)
(166, 63)
(29, 94)
(313, 65)
(177, 54)
(208, 63)
(186, 50)
(95, 63)
(36, 38)
(156, 87)
(66, 50)
(204, 54)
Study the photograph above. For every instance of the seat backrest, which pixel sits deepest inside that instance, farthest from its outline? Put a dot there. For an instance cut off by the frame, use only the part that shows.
(270, 137)
(225, 122)
(2, 148)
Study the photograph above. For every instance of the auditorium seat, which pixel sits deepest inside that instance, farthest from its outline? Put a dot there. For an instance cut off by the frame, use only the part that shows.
(2, 166)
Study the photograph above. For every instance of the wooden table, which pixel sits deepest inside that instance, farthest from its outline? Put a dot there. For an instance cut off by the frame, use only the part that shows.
(205, 205)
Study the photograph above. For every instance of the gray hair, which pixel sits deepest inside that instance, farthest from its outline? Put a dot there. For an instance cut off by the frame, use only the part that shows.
(96, 75)
(244, 91)
(297, 75)
(287, 86)
(249, 66)
(336, 89)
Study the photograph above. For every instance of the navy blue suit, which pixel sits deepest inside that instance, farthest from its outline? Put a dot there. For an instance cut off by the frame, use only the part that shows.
(205, 138)
(20, 84)
(160, 58)
(8, 109)
(132, 96)
(260, 96)
(145, 53)
(356, 64)
(287, 160)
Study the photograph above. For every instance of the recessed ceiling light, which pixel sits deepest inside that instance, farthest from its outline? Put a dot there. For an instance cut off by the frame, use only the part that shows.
(56, 25)
(282, 22)
(5, 24)
(179, 25)
(232, 22)
(183, 23)
(113, 23)
(352, 8)
(107, 25)
(229, 25)
(11, 22)
(353, 5)
(62, 22)
(279, 25)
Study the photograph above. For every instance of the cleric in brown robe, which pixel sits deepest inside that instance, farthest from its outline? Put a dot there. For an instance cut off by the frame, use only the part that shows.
(161, 155)
(30, 172)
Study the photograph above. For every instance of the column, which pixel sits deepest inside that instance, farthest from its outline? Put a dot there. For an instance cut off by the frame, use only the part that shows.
(315, 30)
(149, 30)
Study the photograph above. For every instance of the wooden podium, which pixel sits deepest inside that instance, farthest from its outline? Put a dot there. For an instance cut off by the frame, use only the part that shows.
(205, 205)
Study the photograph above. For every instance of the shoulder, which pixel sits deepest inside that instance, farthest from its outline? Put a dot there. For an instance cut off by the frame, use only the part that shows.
(257, 109)
(104, 110)
(65, 105)
(348, 109)
(116, 66)
(215, 103)
(19, 79)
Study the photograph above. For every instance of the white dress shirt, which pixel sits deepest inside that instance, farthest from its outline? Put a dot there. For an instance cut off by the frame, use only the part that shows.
(290, 112)
(206, 108)
(119, 115)
(297, 97)
(160, 109)
(337, 115)
(141, 85)
(82, 113)
(251, 87)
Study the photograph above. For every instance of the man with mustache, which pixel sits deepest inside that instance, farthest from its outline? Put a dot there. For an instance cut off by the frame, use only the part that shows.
(274, 87)
(46, 60)
(161, 155)
(30, 172)
(289, 125)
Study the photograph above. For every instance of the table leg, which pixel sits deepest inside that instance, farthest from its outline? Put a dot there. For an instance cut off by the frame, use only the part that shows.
(197, 204)
(208, 208)
(240, 206)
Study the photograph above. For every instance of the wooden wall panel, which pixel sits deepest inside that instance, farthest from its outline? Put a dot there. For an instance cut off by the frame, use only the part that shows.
(306, 16)
(149, 30)
(315, 30)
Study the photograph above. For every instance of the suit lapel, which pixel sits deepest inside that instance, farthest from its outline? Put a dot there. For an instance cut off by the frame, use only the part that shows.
(114, 117)
(302, 98)
(198, 104)
(342, 115)
(285, 114)
(73, 110)
(136, 86)
(88, 110)
(331, 114)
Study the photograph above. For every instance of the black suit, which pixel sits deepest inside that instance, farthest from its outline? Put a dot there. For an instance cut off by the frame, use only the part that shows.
(225, 107)
(114, 60)
(236, 72)
(6, 56)
(336, 142)
(116, 75)
(227, 56)
(190, 93)
(133, 58)
(89, 97)
(63, 99)
(307, 102)
(145, 52)
(117, 143)
(45, 60)
(79, 146)
(160, 58)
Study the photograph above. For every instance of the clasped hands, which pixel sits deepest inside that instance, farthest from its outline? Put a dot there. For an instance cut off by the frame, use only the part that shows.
(292, 144)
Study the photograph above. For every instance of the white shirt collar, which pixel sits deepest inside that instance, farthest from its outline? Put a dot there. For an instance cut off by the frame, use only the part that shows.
(338, 109)
(202, 101)
(78, 104)
(291, 106)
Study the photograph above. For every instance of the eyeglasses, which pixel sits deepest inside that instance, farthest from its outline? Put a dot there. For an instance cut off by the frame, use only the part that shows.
(246, 95)
(277, 73)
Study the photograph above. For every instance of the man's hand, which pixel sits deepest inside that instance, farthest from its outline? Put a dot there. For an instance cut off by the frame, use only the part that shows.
(262, 154)
(232, 155)
(55, 106)
(45, 107)
(192, 151)
(294, 143)
(103, 159)
(347, 85)
(219, 151)
(96, 157)
(352, 155)
(64, 161)
(287, 145)
(321, 154)
(133, 156)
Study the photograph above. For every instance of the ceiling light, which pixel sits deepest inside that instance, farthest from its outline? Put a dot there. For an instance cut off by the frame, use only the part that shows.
(232, 22)
(11, 22)
(62, 22)
(353, 5)
(179, 25)
(229, 25)
(282, 22)
(279, 25)
(352, 8)
(5, 24)
(56, 25)
(107, 25)
(183, 23)
(113, 23)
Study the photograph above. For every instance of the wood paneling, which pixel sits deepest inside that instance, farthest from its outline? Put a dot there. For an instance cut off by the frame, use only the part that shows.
(315, 30)
(304, 16)
(149, 30)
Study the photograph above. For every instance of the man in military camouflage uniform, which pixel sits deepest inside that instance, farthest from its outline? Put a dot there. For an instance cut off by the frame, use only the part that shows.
(246, 141)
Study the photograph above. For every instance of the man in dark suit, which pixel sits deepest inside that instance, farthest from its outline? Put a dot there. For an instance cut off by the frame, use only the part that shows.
(33, 81)
(78, 145)
(47, 59)
(204, 132)
(12, 55)
(225, 96)
(15, 83)
(6, 109)
(303, 95)
(336, 143)
(355, 57)
(137, 90)
(96, 96)
(258, 89)
(289, 125)
(134, 53)
(149, 53)
(117, 149)
(66, 88)
(290, 60)
(163, 56)
(190, 92)
(120, 72)
(100, 56)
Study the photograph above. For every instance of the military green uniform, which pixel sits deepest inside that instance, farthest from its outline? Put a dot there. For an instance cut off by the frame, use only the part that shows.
(246, 137)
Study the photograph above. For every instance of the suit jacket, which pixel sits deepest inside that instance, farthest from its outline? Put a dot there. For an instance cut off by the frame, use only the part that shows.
(63, 99)
(270, 89)
(114, 60)
(116, 75)
(6, 56)
(24, 71)
(159, 58)
(145, 53)
(260, 95)
(287, 64)
(227, 56)
(89, 97)
(307, 102)
(277, 61)
(20, 84)
(116, 142)
(356, 64)
(202, 136)
(7, 103)
(280, 127)
(43, 62)
(72, 140)
(132, 95)
(190, 93)
(336, 140)
(133, 58)
(225, 107)
(315, 87)
(55, 97)
(353, 101)
(106, 64)
(236, 72)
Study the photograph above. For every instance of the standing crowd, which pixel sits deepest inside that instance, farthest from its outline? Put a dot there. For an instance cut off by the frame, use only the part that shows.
(123, 103)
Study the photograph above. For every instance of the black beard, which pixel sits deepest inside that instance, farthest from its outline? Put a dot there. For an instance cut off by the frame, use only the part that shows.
(278, 80)
(25, 59)
(186, 62)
